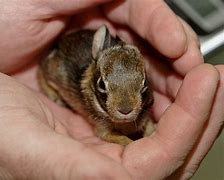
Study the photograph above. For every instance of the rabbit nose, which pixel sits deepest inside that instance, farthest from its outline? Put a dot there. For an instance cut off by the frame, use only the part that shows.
(125, 110)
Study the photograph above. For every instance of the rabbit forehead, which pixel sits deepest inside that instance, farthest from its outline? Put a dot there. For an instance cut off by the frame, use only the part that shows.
(120, 60)
(121, 67)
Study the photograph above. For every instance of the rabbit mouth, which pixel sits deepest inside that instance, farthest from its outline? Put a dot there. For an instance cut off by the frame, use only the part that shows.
(123, 118)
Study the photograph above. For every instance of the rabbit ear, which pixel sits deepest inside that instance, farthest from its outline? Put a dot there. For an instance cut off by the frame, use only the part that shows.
(101, 41)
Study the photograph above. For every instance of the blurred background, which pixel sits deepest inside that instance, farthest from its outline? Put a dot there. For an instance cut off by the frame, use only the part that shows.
(206, 17)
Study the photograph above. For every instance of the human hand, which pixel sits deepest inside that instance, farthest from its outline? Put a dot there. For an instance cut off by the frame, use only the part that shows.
(161, 154)
(186, 130)
(29, 26)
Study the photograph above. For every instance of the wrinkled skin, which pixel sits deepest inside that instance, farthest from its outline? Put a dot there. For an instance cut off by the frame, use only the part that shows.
(40, 140)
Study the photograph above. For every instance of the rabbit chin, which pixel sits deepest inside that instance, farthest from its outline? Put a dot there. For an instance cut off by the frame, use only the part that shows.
(121, 121)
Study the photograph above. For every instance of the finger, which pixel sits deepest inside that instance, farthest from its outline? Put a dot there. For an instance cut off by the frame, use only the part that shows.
(192, 56)
(209, 134)
(163, 78)
(178, 128)
(147, 19)
(154, 21)
(60, 7)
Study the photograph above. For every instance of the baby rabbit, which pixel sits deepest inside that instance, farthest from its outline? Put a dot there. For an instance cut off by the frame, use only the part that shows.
(103, 79)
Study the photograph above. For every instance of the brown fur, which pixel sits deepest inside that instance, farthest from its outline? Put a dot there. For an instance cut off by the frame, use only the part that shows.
(102, 78)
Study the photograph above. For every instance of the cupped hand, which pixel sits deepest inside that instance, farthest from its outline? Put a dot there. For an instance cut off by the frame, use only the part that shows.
(41, 139)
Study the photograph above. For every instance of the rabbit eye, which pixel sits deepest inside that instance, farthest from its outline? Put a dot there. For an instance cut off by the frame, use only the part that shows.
(145, 87)
(101, 85)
